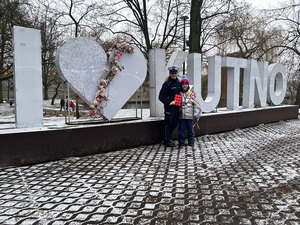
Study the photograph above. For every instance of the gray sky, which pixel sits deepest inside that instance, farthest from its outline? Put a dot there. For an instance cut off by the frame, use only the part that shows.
(263, 3)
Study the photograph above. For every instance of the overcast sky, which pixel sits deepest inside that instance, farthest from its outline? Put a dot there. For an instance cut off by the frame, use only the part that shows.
(263, 3)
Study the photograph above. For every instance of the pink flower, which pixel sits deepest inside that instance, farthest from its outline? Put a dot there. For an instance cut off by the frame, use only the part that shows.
(114, 69)
(102, 90)
(92, 112)
(103, 82)
(114, 56)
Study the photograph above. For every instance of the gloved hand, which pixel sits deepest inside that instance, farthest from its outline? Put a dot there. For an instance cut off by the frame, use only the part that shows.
(198, 117)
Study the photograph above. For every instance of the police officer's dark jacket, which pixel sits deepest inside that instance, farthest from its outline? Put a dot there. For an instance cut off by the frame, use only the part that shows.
(169, 89)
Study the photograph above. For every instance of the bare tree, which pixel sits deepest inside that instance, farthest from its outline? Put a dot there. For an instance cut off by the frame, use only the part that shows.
(288, 17)
(204, 14)
(242, 33)
(46, 20)
(147, 24)
(75, 12)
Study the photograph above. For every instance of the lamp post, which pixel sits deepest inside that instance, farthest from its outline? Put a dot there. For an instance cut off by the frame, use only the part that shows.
(184, 18)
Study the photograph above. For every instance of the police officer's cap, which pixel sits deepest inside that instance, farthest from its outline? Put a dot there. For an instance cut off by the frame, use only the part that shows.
(173, 69)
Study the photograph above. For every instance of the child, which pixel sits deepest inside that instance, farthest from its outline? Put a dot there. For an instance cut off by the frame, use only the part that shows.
(72, 105)
(189, 108)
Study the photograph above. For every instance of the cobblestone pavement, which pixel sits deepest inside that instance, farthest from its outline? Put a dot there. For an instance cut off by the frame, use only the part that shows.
(246, 176)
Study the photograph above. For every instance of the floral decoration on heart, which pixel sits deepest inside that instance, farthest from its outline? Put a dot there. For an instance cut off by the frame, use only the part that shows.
(114, 55)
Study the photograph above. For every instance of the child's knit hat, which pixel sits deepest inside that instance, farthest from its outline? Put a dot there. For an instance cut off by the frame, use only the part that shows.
(184, 79)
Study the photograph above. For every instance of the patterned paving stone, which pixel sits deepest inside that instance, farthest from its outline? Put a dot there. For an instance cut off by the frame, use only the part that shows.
(246, 176)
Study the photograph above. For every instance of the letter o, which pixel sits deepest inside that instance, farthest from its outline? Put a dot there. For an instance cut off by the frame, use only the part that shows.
(277, 83)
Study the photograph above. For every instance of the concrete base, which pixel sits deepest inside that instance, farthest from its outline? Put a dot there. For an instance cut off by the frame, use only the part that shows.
(40, 146)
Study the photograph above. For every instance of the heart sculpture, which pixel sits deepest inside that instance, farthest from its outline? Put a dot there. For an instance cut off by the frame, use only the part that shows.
(126, 83)
(82, 63)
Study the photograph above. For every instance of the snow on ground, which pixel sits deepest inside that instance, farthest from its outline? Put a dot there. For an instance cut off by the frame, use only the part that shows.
(247, 176)
(258, 164)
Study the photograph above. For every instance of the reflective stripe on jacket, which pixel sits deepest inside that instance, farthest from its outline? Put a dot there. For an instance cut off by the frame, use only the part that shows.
(188, 109)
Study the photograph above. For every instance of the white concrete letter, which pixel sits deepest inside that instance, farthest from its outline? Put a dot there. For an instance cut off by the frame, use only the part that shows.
(28, 77)
(233, 80)
(277, 84)
(177, 58)
(194, 74)
(214, 80)
(157, 63)
(255, 85)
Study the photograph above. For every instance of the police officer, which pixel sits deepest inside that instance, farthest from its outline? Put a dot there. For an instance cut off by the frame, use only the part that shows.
(170, 89)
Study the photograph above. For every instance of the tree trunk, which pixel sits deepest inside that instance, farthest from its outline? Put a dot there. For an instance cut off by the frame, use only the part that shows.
(53, 98)
(77, 108)
(56, 93)
(297, 101)
(1, 94)
(46, 97)
(195, 26)
(2, 61)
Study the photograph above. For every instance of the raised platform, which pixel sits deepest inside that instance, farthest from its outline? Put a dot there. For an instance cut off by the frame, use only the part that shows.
(34, 146)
